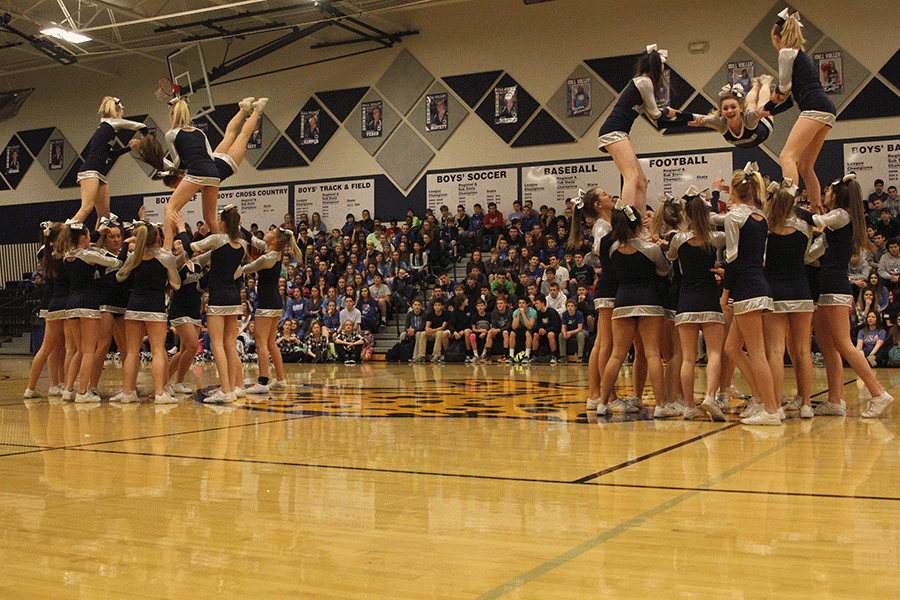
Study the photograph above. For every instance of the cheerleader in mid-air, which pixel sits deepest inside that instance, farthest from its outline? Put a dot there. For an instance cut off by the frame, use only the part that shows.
(52, 351)
(798, 78)
(92, 175)
(639, 96)
(153, 269)
(845, 234)
(736, 117)
(270, 306)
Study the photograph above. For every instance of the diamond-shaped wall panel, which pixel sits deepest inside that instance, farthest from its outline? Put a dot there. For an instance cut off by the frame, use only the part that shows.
(368, 134)
(71, 178)
(874, 101)
(261, 140)
(616, 71)
(437, 127)
(282, 156)
(404, 156)
(849, 73)
(125, 136)
(493, 109)
(34, 139)
(741, 59)
(891, 70)
(543, 130)
(783, 125)
(404, 82)
(580, 101)
(16, 161)
(760, 39)
(311, 129)
(471, 88)
(342, 102)
(57, 156)
(698, 106)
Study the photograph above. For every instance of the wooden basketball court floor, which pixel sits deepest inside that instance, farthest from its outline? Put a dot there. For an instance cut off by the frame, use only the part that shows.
(438, 482)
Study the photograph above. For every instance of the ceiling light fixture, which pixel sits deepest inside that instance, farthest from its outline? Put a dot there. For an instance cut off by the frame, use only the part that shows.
(66, 35)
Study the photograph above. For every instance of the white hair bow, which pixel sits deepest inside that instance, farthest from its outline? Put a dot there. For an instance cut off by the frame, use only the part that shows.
(76, 225)
(227, 208)
(46, 225)
(736, 89)
(118, 103)
(845, 179)
(627, 209)
(773, 187)
(691, 192)
(111, 221)
(579, 201)
(163, 173)
(663, 54)
(786, 14)
(749, 169)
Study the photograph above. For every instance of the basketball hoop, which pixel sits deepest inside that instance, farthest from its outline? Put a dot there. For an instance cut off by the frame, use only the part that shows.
(166, 90)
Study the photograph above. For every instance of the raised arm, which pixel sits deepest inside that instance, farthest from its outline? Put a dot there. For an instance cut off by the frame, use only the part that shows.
(265, 261)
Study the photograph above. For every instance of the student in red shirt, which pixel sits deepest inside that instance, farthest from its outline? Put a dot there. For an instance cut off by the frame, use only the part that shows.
(493, 224)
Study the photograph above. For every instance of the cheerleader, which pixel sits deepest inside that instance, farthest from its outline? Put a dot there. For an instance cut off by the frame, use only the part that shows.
(184, 308)
(745, 236)
(665, 225)
(229, 154)
(153, 268)
(638, 97)
(596, 205)
(844, 235)
(83, 304)
(190, 150)
(798, 78)
(736, 117)
(92, 175)
(113, 296)
(269, 306)
(696, 251)
(224, 308)
(638, 306)
(790, 322)
(52, 347)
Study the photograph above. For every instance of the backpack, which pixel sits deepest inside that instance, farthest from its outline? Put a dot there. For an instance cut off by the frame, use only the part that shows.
(456, 352)
(401, 351)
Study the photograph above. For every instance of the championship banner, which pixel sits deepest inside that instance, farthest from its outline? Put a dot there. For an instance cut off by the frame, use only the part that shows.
(673, 174)
(471, 187)
(333, 200)
(871, 161)
(263, 205)
(554, 184)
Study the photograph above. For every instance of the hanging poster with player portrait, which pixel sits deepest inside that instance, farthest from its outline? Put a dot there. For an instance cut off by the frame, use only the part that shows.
(256, 138)
(12, 159)
(506, 105)
(436, 116)
(578, 96)
(831, 70)
(371, 119)
(742, 73)
(57, 154)
(310, 133)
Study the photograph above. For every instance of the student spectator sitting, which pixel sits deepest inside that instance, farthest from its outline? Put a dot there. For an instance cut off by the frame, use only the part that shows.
(476, 261)
(523, 322)
(562, 273)
(403, 290)
(882, 296)
(436, 328)
(547, 328)
(878, 194)
(586, 307)
(581, 274)
(887, 226)
(459, 320)
(514, 239)
(331, 320)
(889, 265)
(893, 201)
(516, 213)
(368, 308)
(381, 293)
(415, 322)
(351, 313)
(471, 238)
(288, 343)
(493, 225)
(316, 344)
(870, 339)
(500, 282)
(573, 326)
(858, 270)
(490, 301)
(348, 344)
(296, 308)
(556, 299)
(528, 219)
(880, 243)
(534, 270)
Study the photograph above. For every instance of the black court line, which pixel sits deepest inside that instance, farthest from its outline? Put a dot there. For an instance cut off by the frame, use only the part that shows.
(653, 454)
(143, 437)
(752, 492)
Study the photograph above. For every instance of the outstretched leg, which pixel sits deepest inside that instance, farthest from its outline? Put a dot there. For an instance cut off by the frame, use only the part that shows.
(239, 147)
(234, 125)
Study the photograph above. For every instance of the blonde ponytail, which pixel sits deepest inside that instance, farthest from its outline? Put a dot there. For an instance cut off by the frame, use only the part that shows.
(109, 108)
(181, 114)
(790, 34)
(749, 188)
